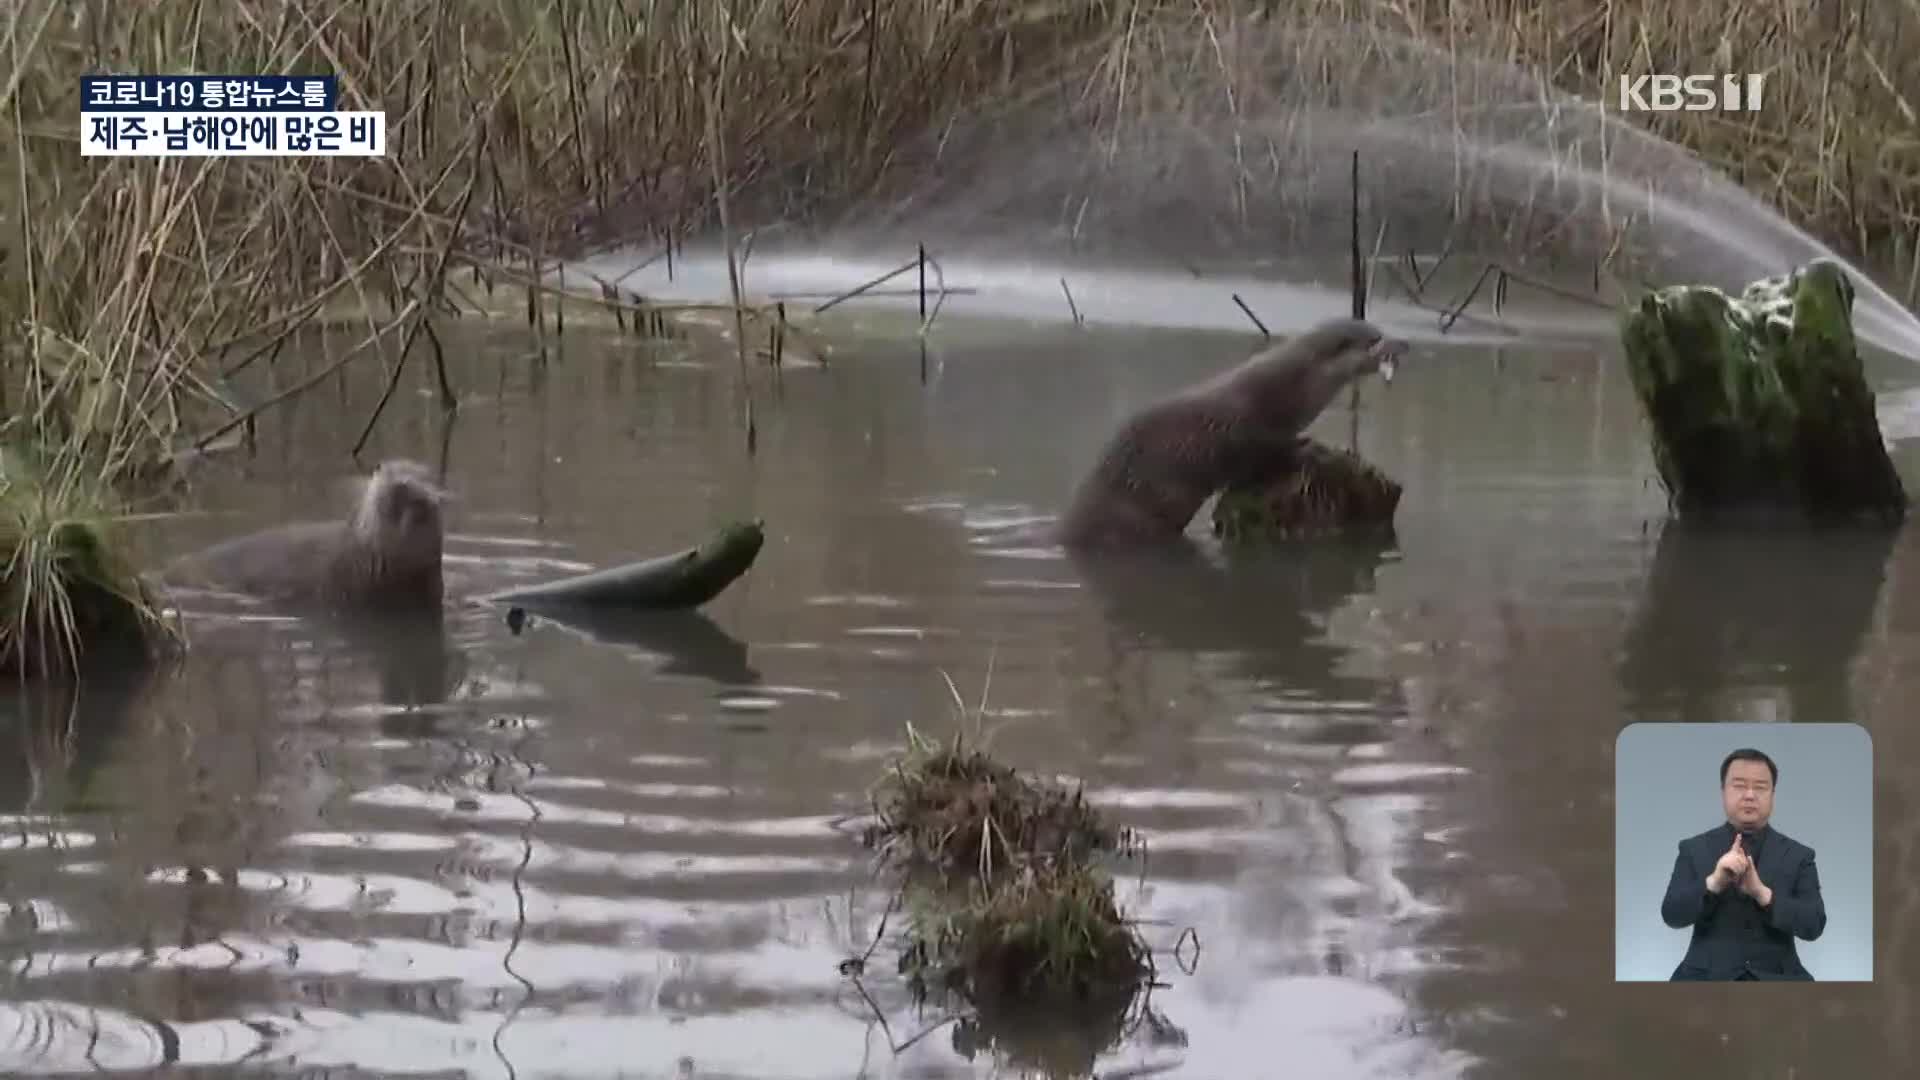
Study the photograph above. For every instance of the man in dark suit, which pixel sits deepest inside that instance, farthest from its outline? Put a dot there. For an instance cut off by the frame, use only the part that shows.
(1745, 888)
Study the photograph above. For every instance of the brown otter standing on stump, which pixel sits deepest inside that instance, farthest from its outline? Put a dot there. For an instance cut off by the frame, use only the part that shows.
(1168, 458)
(384, 556)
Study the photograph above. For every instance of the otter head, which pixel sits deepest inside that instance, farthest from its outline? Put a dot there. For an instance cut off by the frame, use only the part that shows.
(1346, 349)
(1312, 368)
(397, 524)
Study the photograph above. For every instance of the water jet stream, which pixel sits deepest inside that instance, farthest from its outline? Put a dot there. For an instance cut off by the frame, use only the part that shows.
(1219, 146)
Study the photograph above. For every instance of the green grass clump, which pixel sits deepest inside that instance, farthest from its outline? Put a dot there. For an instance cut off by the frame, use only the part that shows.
(1050, 931)
(67, 593)
(1011, 919)
(1046, 968)
(953, 808)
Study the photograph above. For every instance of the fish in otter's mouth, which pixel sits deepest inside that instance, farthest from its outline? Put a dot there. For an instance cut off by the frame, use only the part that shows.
(1386, 354)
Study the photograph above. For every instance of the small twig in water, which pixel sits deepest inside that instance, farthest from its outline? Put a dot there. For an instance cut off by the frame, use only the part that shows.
(610, 292)
(862, 289)
(814, 294)
(1420, 280)
(449, 401)
(773, 348)
(1072, 308)
(304, 385)
(1373, 264)
(1264, 332)
(1359, 283)
(939, 301)
(1447, 320)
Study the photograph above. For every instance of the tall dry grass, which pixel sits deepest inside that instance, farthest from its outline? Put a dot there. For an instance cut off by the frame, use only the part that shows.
(1836, 147)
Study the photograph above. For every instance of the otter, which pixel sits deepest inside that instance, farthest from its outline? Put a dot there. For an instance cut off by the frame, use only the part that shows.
(384, 557)
(1167, 459)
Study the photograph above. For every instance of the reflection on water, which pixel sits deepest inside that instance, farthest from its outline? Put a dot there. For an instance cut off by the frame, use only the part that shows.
(1721, 617)
(1376, 784)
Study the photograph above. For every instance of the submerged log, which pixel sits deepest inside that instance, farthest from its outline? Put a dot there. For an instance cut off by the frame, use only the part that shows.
(1759, 403)
(677, 582)
(1322, 492)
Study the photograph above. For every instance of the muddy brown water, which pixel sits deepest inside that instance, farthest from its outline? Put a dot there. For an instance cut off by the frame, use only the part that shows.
(1379, 790)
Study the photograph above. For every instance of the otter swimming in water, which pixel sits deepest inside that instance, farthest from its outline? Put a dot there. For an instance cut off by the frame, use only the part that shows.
(384, 556)
(1167, 459)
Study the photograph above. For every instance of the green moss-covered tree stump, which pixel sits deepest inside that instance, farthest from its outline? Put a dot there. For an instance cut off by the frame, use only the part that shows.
(1320, 492)
(1760, 403)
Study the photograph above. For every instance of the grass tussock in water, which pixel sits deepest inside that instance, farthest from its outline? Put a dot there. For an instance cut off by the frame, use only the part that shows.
(1049, 930)
(951, 808)
(1011, 918)
(1048, 972)
(67, 592)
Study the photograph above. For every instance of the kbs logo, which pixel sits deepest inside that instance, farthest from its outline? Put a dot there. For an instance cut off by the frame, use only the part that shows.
(1691, 93)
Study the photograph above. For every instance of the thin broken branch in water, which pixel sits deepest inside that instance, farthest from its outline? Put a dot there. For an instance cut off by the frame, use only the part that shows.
(1413, 297)
(939, 301)
(609, 292)
(667, 253)
(1072, 308)
(922, 260)
(449, 401)
(1373, 264)
(639, 305)
(1502, 279)
(1453, 314)
(816, 294)
(1360, 280)
(861, 290)
(535, 322)
(1262, 327)
(1413, 264)
(307, 384)
(393, 381)
(774, 329)
(887, 1030)
(631, 316)
(1551, 289)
